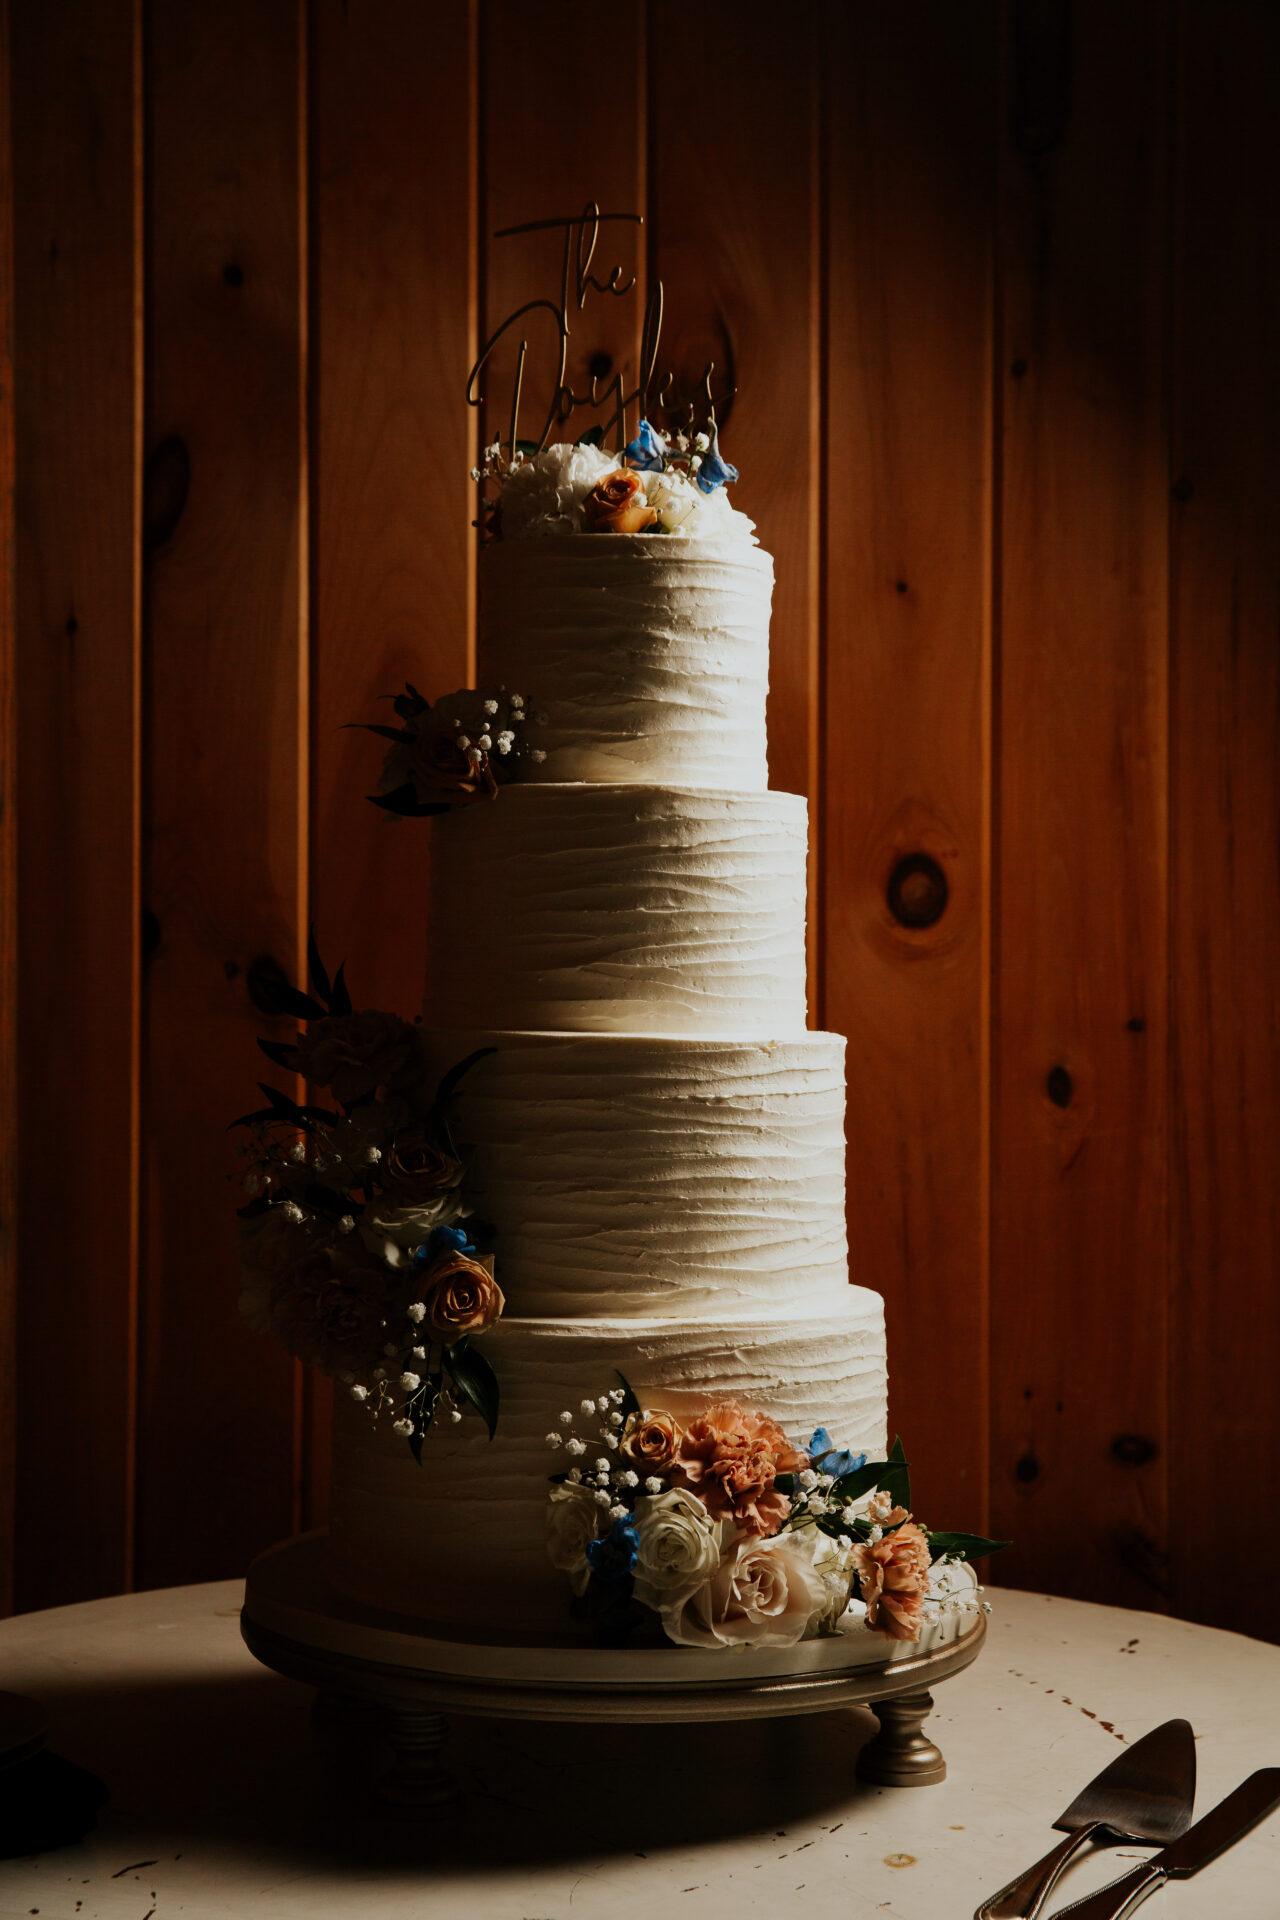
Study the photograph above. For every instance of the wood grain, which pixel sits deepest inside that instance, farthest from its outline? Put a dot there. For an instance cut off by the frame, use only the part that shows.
(550, 148)
(8, 867)
(1078, 1292)
(1225, 730)
(911, 139)
(734, 209)
(77, 258)
(227, 763)
(394, 306)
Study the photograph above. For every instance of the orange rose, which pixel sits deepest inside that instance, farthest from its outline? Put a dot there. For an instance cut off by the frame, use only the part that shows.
(893, 1574)
(650, 1441)
(617, 504)
(729, 1457)
(461, 1296)
(439, 768)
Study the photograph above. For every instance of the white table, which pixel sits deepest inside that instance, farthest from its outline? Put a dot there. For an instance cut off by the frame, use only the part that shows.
(241, 1805)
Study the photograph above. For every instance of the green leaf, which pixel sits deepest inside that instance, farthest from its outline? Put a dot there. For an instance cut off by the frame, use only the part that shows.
(896, 1481)
(474, 1377)
(968, 1546)
(252, 1119)
(404, 800)
(410, 704)
(456, 1074)
(340, 998)
(279, 1052)
(592, 437)
(785, 1483)
(316, 969)
(255, 1208)
(278, 997)
(531, 446)
(630, 1404)
(852, 1486)
(399, 734)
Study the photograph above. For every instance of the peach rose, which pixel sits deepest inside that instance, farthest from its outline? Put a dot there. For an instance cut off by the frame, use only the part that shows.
(461, 1296)
(355, 1053)
(730, 1457)
(650, 1441)
(893, 1574)
(617, 504)
(441, 769)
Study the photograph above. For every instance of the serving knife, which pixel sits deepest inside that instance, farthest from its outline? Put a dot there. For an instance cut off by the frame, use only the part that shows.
(1145, 1794)
(1230, 1821)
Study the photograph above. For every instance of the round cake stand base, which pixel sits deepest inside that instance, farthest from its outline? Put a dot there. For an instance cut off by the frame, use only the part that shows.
(363, 1663)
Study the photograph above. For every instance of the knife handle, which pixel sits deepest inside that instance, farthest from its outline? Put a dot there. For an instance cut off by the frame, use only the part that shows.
(1121, 1898)
(1024, 1897)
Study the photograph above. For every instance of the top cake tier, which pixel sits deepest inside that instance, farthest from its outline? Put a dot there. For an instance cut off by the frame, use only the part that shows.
(648, 654)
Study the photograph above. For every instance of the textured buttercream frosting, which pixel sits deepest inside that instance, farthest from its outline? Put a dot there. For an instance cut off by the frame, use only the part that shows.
(648, 655)
(462, 1538)
(622, 909)
(655, 1175)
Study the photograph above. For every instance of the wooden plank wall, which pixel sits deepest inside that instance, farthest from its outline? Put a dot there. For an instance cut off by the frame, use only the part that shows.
(994, 284)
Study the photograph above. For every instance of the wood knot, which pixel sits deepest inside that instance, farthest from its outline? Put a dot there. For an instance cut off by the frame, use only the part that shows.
(1133, 1449)
(917, 892)
(1059, 1086)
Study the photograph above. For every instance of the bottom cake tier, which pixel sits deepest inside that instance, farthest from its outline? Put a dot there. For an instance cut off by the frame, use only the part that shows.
(461, 1539)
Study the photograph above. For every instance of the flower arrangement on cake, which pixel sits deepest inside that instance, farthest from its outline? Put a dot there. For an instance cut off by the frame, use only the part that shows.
(660, 484)
(358, 1249)
(460, 748)
(730, 1534)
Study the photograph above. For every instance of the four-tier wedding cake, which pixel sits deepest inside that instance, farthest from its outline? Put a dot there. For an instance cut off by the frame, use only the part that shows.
(656, 1138)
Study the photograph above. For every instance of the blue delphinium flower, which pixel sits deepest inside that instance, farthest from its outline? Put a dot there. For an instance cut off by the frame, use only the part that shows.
(714, 472)
(612, 1557)
(827, 1458)
(442, 1240)
(646, 451)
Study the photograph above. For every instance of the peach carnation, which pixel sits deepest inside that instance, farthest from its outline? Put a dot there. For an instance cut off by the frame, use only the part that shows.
(355, 1053)
(730, 1458)
(893, 1574)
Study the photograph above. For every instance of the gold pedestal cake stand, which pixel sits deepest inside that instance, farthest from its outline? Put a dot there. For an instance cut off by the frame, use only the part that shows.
(296, 1624)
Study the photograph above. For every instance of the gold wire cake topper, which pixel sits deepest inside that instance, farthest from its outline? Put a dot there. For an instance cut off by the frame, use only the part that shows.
(581, 233)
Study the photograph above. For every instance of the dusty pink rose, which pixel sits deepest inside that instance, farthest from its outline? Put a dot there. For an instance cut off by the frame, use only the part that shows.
(355, 1053)
(893, 1574)
(730, 1457)
(442, 770)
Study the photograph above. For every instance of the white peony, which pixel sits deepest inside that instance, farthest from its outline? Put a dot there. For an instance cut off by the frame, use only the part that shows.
(679, 1548)
(544, 494)
(764, 1593)
(573, 1522)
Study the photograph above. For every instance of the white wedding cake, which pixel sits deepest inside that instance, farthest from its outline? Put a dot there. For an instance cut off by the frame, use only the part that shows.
(656, 1137)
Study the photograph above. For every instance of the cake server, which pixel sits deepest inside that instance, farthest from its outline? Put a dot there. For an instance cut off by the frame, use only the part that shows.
(1145, 1794)
(1230, 1821)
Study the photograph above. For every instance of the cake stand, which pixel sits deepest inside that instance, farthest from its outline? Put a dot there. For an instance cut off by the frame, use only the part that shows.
(358, 1658)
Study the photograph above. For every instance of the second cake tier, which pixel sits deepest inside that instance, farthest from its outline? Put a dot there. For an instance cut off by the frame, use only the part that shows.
(622, 909)
(656, 1174)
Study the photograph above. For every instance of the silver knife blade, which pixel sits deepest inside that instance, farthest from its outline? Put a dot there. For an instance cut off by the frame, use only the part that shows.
(1230, 1820)
(1146, 1793)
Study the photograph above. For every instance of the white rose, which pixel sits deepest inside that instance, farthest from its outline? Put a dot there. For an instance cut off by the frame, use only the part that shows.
(676, 500)
(545, 493)
(390, 1232)
(679, 1548)
(573, 1522)
(764, 1593)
